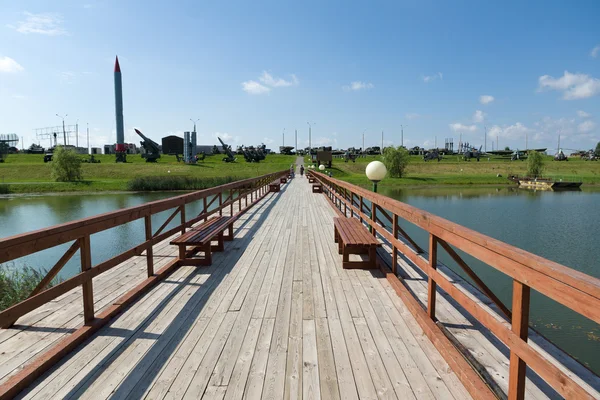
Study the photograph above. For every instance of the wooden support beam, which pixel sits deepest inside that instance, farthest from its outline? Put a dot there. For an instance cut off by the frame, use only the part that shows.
(164, 225)
(520, 326)
(482, 286)
(149, 251)
(87, 286)
(56, 269)
(432, 287)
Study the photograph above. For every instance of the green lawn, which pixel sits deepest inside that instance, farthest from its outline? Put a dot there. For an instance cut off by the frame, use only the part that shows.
(452, 171)
(27, 173)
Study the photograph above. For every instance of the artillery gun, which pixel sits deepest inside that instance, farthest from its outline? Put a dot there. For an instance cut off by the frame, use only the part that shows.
(227, 149)
(432, 155)
(152, 151)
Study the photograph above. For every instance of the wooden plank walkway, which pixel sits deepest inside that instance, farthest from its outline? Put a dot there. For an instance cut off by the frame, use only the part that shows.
(274, 317)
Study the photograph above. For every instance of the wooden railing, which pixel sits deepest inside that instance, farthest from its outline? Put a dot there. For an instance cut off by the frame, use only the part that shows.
(214, 200)
(573, 289)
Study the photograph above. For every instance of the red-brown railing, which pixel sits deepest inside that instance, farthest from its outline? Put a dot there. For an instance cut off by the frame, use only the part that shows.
(573, 289)
(214, 200)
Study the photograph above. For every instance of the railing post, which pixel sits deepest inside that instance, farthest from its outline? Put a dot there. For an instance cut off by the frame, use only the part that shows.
(431, 290)
(394, 249)
(361, 209)
(231, 204)
(182, 212)
(87, 286)
(373, 218)
(220, 203)
(205, 209)
(149, 251)
(520, 326)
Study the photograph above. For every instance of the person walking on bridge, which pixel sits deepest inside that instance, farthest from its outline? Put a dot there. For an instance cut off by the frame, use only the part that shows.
(302, 170)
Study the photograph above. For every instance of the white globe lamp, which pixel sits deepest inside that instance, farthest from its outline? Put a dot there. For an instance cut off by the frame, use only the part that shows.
(375, 171)
(322, 167)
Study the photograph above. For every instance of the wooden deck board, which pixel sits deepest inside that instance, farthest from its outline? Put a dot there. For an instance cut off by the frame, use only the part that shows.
(274, 317)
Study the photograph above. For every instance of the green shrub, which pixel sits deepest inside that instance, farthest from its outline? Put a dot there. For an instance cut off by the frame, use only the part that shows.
(66, 165)
(4, 189)
(159, 183)
(535, 164)
(17, 284)
(396, 160)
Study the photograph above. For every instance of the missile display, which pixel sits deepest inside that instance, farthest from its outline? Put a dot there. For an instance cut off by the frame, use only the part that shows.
(120, 145)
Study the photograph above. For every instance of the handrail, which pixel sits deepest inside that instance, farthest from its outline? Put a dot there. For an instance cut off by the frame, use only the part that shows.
(79, 231)
(573, 289)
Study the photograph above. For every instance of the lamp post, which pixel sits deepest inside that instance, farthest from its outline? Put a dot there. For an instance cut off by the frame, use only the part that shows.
(64, 132)
(310, 124)
(375, 171)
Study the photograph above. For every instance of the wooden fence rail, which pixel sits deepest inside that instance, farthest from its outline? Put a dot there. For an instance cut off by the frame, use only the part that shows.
(573, 289)
(79, 232)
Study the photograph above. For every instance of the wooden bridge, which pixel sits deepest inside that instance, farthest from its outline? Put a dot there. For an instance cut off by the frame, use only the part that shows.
(276, 316)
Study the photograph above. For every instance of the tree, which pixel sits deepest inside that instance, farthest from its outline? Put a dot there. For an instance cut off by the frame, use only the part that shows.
(66, 165)
(598, 150)
(535, 164)
(396, 159)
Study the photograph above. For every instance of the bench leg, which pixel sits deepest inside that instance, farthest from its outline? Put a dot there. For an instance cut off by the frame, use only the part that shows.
(207, 254)
(229, 236)
(182, 252)
(372, 257)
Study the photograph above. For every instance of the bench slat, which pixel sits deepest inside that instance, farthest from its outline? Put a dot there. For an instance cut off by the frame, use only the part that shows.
(204, 232)
(353, 233)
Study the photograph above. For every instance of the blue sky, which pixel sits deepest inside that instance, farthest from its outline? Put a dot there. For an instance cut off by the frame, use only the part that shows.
(247, 70)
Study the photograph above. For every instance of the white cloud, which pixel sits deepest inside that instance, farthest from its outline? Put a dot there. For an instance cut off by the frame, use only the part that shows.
(9, 65)
(412, 116)
(254, 87)
(267, 140)
(324, 141)
(516, 131)
(19, 96)
(595, 51)
(269, 80)
(586, 126)
(583, 114)
(486, 99)
(573, 86)
(458, 127)
(226, 137)
(358, 85)
(479, 116)
(67, 76)
(43, 23)
(431, 78)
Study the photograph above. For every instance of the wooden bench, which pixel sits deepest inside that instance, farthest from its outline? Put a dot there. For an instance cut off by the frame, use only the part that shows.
(283, 179)
(353, 237)
(274, 186)
(201, 238)
(317, 188)
(311, 180)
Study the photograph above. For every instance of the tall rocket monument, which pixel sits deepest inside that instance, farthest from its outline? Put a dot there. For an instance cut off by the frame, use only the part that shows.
(120, 145)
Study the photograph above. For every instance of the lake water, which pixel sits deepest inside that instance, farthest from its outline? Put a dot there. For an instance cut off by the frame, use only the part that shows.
(560, 226)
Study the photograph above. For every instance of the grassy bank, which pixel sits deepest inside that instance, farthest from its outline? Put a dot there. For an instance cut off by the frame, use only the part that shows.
(453, 171)
(17, 284)
(27, 173)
